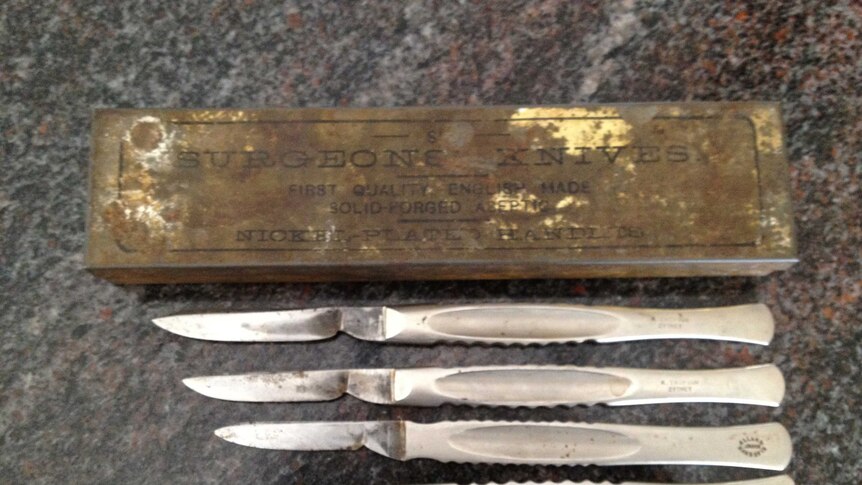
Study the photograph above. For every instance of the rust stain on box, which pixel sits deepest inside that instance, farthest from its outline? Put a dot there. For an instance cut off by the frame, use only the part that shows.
(407, 193)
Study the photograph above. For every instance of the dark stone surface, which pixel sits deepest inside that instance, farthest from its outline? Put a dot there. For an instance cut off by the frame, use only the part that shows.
(90, 392)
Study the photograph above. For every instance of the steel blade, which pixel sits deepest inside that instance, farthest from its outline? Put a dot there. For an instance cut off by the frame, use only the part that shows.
(296, 436)
(319, 385)
(384, 437)
(276, 326)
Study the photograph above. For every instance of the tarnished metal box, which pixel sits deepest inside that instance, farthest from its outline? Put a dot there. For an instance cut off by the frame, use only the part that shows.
(678, 189)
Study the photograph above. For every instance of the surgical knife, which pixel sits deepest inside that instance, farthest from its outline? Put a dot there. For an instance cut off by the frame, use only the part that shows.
(524, 385)
(764, 446)
(502, 323)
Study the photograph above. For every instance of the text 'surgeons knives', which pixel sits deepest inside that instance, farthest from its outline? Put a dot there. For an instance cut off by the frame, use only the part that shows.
(439, 193)
(764, 446)
(484, 323)
(777, 480)
(525, 385)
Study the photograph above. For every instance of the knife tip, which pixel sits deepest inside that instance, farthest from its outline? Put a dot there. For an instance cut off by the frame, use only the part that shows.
(195, 384)
(227, 433)
(213, 387)
(166, 323)
(193, 326)
(243, 434)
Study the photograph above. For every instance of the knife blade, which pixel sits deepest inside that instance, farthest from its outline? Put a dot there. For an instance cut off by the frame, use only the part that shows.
(525, 385)
(505, 323)
(763, 446)
(776, 480)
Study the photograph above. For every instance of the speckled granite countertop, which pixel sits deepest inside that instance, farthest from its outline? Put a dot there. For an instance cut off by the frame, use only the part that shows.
(90, 392)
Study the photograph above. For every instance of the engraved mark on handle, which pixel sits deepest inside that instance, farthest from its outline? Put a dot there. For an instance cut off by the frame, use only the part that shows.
(752, 446)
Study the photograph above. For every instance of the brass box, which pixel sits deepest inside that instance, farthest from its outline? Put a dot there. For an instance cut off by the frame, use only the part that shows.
(679, 189)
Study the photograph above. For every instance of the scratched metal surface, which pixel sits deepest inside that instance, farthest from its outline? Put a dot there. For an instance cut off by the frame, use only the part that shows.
(673, 189)
(91, 392)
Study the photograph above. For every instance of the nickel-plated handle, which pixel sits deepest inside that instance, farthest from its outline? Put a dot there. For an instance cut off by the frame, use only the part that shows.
(764, 446)
(549, 323)
(758, 385)
(536, 386)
